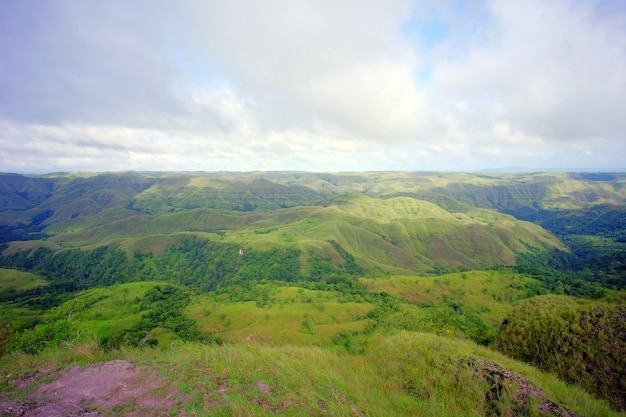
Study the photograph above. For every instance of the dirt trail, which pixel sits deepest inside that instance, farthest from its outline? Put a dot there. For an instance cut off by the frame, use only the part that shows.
(116, 387)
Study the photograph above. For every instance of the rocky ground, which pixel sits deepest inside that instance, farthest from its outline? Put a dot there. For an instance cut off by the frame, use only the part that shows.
(116, 387)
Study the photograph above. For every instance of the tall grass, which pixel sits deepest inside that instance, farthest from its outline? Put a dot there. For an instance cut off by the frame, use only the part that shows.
(405, 374)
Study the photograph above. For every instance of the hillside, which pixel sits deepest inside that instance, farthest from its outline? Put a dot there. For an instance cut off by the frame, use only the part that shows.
(581, 341)
(403, 375)
(390, 222)
(399, 235)
(407, 283)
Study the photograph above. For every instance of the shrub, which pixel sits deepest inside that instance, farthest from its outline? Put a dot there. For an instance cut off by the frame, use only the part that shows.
(583, 342)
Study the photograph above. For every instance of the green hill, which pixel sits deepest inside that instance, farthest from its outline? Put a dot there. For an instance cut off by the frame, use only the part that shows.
(388, 222)
(311, 351)
(400, 235)
(295, 293)
(170, 194)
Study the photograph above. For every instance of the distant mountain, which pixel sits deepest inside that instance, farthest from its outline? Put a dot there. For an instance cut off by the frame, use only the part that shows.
(552, 169)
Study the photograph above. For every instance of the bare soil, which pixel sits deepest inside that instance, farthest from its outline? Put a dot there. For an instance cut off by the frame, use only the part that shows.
(518, 390)
(112, 388)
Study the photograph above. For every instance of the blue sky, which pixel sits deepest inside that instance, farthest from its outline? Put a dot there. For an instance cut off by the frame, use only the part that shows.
(324, 85)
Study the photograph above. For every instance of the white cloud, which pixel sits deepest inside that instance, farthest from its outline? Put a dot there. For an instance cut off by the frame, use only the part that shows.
(554, 69)
(375, 102)
(314, 85)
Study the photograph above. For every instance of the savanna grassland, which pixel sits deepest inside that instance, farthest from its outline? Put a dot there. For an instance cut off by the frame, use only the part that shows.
(295, 293)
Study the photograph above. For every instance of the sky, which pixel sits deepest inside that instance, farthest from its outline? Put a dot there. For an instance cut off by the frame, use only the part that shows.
(318, 85)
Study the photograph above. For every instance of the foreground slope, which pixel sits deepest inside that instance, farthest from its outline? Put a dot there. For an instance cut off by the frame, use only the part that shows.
(405, 374)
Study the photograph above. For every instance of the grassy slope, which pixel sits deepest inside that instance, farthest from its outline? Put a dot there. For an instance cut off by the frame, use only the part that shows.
(278, 315)
(405, 374)
(495, 191)
(183, 192)
(404, 234)
(289, 316)
(271, 339)
(269, 190)
(408, 373)
(398, 235)
(19, 193)
(109, 310)
(490, 293)
(19, 280)
(11, 279)
(582, 341)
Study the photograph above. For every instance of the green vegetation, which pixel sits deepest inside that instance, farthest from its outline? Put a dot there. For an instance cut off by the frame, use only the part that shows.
(132, 314)
(300, 293)
(581, 341)
(10, 279)
(278, 315)
(395, 234)
(161, 308)
(405, 374)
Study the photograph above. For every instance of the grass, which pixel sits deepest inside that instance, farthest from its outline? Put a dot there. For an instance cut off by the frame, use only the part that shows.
(12, 279)
(489, 293)
(272, 314)
(289, 316)
(280, 356)
(403, 374)
(283, 337)
(19, 280)
(103, 312)
(278, 315)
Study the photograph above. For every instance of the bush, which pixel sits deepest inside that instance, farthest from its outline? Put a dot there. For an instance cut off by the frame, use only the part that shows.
(583, 342)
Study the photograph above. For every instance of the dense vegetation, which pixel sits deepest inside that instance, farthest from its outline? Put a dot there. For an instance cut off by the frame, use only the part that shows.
(161, 307)
(581, 341)
(189, 261)
(342, 262)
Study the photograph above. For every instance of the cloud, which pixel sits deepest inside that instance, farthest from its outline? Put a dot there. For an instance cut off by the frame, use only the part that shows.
(72, 61)
(551, 69)
(339, 62)
(321, 85)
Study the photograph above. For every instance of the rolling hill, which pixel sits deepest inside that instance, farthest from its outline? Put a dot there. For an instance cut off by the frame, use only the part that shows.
(396, 234)
(350, 293)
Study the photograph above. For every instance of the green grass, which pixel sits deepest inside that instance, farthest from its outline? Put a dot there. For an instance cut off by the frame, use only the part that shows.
(19, 280)
(396, 225)
(11, 279)
(289, 315)
(104, 312)
(491, 294)
(284, 315)
(580, 340)
(454, 304)
(285, 339)
(406, 374)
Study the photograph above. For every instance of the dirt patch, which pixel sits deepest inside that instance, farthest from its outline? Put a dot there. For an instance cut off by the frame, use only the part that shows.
(264, 388)
(116, 387)
(511, 394)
